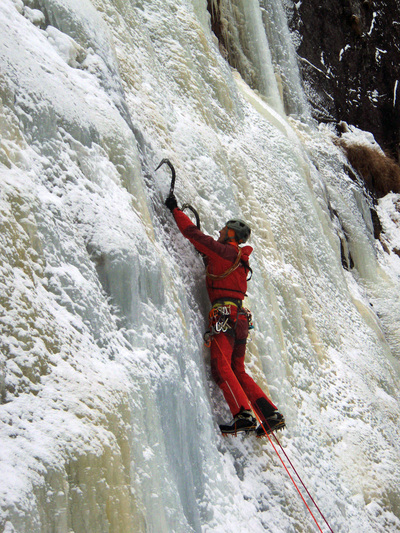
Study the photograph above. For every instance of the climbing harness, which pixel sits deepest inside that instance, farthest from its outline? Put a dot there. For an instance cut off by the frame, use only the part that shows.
(220, 318)
(249, 317)
(172, 188)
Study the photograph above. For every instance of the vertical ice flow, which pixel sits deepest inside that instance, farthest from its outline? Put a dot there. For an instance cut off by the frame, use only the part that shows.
(109, 414)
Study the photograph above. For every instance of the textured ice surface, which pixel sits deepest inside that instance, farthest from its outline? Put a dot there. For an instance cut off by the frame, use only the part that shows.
(109, 417)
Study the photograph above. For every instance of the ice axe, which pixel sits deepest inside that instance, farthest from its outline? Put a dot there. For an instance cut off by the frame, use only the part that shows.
(172, 187)
(171, 166)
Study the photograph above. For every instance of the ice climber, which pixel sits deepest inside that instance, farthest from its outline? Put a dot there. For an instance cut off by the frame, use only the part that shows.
(227, 270)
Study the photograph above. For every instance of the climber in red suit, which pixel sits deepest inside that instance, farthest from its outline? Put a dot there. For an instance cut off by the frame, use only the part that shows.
(227, 269)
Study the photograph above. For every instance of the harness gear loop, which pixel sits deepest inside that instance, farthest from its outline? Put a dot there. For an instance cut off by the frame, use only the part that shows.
(227, 272)
(220, 318)
(207, 338)
(249, 316)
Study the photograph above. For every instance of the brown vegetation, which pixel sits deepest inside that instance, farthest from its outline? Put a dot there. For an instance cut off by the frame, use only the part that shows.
(381, 174)
(356, 25)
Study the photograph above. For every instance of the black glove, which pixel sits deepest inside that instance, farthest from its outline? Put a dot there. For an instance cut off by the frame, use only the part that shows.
(171, 202)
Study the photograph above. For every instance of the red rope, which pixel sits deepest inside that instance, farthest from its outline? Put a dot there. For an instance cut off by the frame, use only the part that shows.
(284, 466)
(289, 474)
(301, 481)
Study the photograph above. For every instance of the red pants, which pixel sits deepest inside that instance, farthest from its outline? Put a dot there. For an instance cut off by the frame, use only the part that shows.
(227, 367)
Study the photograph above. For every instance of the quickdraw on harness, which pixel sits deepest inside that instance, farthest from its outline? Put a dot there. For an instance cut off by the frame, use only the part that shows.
(220, 319)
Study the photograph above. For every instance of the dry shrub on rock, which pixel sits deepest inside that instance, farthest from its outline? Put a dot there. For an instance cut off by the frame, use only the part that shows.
(380, 172)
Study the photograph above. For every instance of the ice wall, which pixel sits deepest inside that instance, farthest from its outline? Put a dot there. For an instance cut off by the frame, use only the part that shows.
(254, 37)
(109, 414)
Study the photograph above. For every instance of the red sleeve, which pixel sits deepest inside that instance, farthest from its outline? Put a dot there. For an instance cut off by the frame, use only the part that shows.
(203, 243)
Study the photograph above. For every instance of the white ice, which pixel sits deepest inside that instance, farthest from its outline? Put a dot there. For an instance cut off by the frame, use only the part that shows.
(109, 416)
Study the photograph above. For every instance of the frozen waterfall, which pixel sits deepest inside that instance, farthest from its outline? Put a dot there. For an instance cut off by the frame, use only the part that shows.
(109, 416)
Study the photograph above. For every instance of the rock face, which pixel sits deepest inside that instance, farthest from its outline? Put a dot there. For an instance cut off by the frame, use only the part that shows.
(349, 56)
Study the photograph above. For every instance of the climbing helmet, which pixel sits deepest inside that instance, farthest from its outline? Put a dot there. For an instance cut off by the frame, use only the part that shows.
(241, 229)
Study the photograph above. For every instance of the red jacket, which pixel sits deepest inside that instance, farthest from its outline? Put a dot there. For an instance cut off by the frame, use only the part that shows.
(219, 258)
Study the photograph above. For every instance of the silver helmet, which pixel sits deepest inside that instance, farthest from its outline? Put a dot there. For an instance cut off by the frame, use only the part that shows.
(241, 229)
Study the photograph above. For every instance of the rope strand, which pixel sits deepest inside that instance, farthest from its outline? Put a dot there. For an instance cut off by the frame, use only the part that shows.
(301, 481)
(289, 474)
(283, 463)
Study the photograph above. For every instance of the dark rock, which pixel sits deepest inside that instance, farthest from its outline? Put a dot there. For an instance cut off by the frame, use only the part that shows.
(349, 56)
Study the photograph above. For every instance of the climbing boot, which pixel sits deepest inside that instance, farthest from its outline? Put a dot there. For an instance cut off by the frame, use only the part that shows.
(272, 423)
(243, 422)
